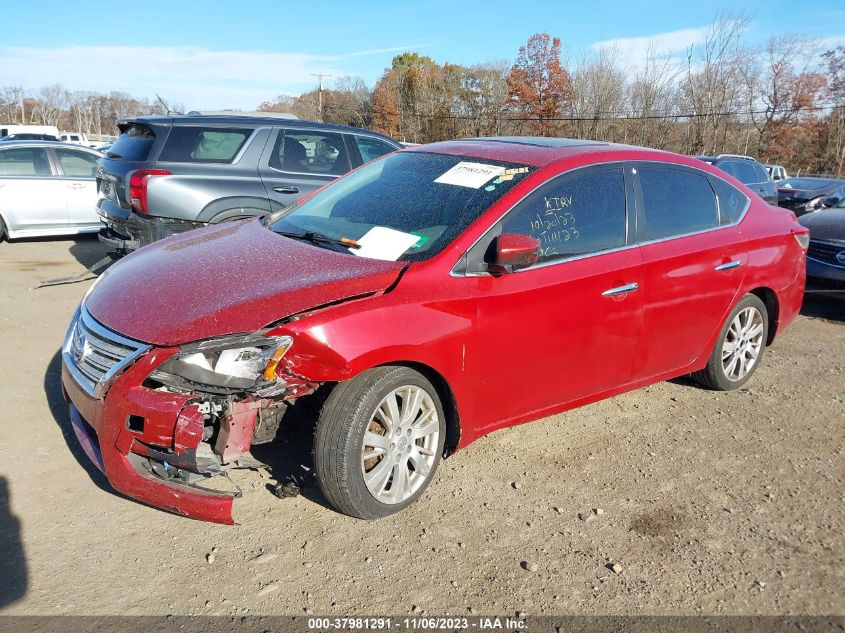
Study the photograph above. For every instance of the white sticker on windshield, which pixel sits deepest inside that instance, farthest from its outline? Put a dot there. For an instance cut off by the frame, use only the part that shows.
(381, 242)
(471, 175)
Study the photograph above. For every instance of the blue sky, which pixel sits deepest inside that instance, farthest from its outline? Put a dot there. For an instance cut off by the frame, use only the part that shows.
(215, 54)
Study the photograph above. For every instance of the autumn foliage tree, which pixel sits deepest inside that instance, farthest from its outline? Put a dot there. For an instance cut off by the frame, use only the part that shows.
(538, 84)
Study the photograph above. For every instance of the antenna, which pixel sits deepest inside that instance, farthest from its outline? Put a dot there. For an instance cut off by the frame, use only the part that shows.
(167, 109)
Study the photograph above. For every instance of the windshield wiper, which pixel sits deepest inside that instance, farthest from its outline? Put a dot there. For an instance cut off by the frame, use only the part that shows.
(319, 238)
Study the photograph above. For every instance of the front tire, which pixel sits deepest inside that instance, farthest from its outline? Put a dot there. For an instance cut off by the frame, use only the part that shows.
(378, 442)
(740, 347)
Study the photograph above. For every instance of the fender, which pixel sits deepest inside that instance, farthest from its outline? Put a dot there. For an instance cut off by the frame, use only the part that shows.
(232, 207)
(338, 342)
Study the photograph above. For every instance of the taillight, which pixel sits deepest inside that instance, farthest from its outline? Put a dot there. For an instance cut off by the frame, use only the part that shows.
(138, 182)
(802, 237)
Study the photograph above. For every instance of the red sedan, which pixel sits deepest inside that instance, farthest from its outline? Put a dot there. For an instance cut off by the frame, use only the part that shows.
(428, 298)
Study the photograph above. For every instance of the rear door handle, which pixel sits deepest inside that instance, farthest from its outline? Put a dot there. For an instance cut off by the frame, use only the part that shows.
(286, 189)
(729, 265)
(620, 290)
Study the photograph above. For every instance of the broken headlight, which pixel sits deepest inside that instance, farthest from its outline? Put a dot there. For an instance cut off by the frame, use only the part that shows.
(233, 362)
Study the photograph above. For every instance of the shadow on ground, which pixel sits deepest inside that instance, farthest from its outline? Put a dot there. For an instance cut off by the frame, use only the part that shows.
(13, 569)
(824, 304)
(290, 454)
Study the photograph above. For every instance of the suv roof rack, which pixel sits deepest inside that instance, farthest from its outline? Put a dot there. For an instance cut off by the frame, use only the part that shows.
(736, 156)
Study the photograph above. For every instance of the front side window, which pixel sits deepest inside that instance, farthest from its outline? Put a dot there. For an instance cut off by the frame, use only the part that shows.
(24, 162)
(761, 174)
(307, 152)
(191, 144)
(372, 148)
(416, 202)
(677, 202)
(574, 214)
(77, 164)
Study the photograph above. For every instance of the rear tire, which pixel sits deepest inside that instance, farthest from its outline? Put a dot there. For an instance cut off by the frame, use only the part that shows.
(739, 349)
(378, 442)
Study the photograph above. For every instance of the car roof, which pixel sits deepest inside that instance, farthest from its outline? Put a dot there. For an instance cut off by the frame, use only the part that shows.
(249, 121)
(47, 144)
(529, 150)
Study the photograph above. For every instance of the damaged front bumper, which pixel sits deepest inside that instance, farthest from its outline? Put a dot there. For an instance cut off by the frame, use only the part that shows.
(159, 446)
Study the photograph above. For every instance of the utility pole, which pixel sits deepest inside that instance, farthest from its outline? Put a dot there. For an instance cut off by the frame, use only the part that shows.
(320, 92)
(19, 90)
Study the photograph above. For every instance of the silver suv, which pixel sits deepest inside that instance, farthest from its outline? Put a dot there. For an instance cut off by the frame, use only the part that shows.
(170, 174)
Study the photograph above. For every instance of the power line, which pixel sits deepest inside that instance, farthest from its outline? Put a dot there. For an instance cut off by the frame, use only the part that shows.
(601, 116)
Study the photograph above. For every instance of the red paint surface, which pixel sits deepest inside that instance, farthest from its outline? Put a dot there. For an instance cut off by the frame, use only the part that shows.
(511, 348)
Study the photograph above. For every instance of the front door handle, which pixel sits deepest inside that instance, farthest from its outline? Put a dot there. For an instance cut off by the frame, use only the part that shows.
(621, 290)
(286, 189)
(729, 265)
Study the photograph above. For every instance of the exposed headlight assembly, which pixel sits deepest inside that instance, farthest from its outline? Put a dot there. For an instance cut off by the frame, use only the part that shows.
(815, 203)
(231, 363)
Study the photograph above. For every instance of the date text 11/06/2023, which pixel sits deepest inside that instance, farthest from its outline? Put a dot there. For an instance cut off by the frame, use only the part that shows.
(421, 623)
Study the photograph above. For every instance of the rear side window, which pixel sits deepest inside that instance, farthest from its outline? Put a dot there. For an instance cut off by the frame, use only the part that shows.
(371, 148)
(676, 202)
(762, 176)
(190, 144)
(24, 162)
(732, 202)
(134, 143)
(308, 152)
(574, 214)
(77, 164)
(745, 173)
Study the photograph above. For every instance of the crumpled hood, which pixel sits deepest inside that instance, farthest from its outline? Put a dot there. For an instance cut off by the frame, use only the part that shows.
(827, 224)
(226, 279)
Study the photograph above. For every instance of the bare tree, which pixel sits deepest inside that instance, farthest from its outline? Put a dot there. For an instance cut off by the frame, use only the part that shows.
(713, 86)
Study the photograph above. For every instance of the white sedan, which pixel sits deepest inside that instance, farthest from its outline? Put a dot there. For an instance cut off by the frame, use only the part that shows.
(47, 188)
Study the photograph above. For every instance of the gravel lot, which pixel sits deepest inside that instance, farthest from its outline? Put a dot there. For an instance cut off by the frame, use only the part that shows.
(705, 502)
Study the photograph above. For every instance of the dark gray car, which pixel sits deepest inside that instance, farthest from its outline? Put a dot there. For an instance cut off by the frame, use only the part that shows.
(748, 171)
(170, 174)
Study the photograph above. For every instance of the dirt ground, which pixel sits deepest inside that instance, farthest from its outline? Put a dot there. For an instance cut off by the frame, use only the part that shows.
(709, 503)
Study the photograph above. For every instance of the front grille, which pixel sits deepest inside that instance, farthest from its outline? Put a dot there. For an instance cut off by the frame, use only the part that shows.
(827, 252)
(95, 355)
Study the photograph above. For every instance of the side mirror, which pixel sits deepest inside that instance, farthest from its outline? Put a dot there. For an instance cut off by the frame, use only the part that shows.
(513, 251)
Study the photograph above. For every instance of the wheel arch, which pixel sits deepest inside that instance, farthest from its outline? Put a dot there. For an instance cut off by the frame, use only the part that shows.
(447, 399)
(770, 300)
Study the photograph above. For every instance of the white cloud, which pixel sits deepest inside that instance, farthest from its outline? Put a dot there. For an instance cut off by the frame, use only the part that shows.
(634, 51)
(197, 77)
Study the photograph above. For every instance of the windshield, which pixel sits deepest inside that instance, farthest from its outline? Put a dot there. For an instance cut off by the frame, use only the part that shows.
(406, 206)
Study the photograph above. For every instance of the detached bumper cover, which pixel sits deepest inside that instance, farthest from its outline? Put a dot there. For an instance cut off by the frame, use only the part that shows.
(101, 425)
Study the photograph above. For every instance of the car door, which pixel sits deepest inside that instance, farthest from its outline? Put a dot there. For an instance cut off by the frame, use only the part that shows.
(299, 161)
(567, 327)
(765, 186)
(694, 259)
(31, 196)
(78, 171)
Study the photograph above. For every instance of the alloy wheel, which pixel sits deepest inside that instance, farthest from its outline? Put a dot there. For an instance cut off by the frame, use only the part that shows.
(399, 444)
(742, 344)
